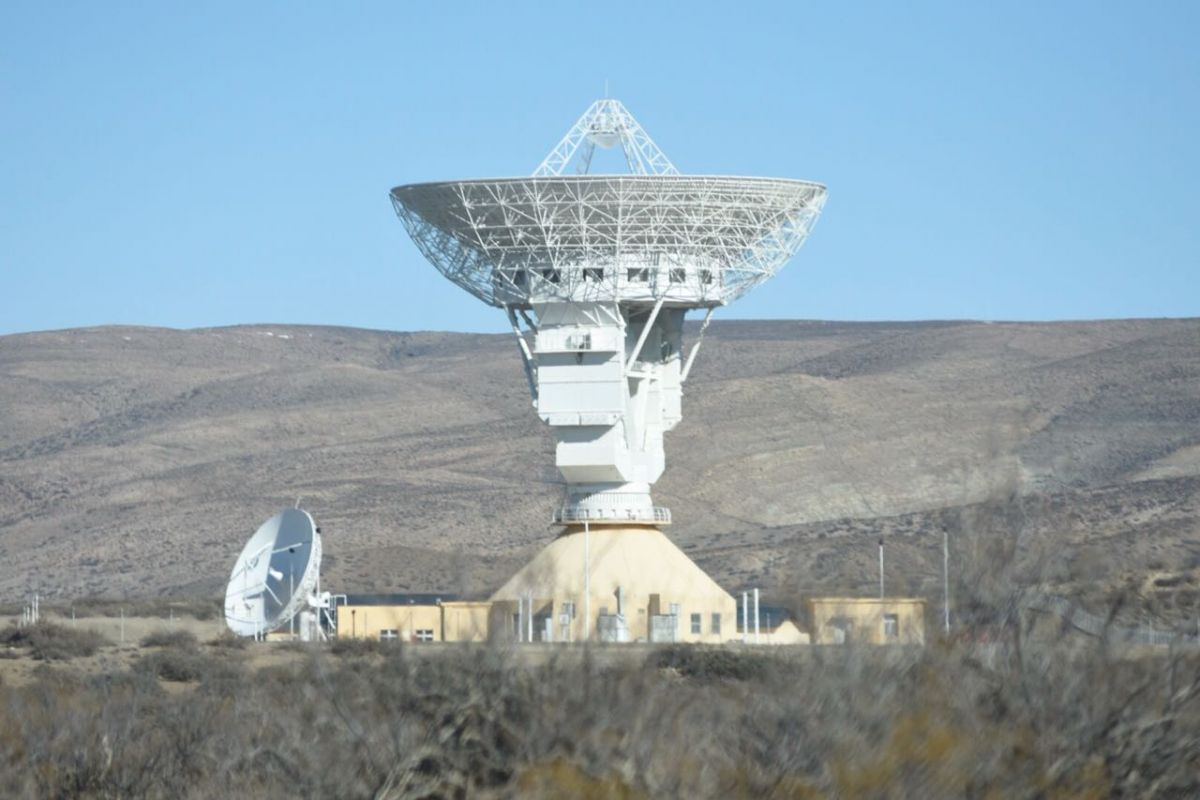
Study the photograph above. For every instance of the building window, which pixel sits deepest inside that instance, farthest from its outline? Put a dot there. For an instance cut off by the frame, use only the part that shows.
(579, 341)
(595, 274)
(425, 635)
(637, 274)
(891, 626)
(695, 623)
(716, 623)
(674, 609)
(551, 275)
(706, 276)
(678, 275)
(389, 635)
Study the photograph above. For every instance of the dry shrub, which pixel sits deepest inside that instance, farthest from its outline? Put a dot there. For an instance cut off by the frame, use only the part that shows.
(176, 638)
(50, 642)
(227, 640)
(182, 665)
(361, 647)
(709, 662)
(1023, 719)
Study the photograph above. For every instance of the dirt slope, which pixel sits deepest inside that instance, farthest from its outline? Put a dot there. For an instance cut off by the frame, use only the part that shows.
(135, 461)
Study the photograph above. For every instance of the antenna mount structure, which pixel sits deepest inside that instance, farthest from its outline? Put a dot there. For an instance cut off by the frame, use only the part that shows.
(601, 270)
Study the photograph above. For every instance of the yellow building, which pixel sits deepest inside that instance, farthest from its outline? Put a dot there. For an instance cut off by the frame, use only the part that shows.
(400, 617)
(641, 587)
(624, 582)
(866, 620)
(466, 620)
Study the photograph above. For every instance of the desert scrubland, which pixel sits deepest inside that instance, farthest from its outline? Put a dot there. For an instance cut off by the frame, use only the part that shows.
(176, 716)
(1061, 463)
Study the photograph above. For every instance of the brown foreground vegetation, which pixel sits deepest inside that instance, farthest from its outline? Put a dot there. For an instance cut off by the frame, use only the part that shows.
(1069, 718)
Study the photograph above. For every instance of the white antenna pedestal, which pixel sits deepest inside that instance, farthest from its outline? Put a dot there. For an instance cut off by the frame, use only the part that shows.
(596, 274)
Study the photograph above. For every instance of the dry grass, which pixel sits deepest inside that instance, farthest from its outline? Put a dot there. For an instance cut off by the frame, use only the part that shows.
(1025, 719)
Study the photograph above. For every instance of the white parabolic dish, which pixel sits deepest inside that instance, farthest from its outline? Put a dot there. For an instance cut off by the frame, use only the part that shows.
(695, 241)
(609, 265)
(274, 575)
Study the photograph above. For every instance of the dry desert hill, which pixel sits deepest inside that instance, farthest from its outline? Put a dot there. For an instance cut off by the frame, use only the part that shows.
(134, 462)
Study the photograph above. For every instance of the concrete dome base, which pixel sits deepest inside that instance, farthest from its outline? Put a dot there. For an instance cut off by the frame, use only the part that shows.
(664, 596)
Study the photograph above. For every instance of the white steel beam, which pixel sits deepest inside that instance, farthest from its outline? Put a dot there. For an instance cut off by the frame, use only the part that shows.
(687, 368)
(637, 349)
(526, 356)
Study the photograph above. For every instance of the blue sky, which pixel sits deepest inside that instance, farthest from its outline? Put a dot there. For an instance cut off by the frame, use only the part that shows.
(206, 164)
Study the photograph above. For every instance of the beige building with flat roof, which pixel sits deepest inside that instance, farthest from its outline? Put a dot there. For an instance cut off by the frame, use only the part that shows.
(412, 618)
(634, 585)
(866, 620)
(466, 620)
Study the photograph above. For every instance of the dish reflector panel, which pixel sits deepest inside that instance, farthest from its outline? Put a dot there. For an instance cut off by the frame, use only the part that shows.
(274, 575)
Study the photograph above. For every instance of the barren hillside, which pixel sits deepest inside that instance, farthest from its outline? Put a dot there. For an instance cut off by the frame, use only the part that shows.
(135, 461)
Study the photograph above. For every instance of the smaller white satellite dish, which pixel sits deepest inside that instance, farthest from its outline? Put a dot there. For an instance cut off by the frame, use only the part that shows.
(276, 575)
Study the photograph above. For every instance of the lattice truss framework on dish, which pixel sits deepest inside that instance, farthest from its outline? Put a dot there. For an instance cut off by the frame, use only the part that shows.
(594, 237)
(694, 240)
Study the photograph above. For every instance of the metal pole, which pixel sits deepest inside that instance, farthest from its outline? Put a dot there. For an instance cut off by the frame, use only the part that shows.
(587, 582)
(745, 617)
(946, 577)
(122, 625)
(687, 368)
(529, 616)
(880, 567)
(291, 593)
(756, 616)
(526, 356)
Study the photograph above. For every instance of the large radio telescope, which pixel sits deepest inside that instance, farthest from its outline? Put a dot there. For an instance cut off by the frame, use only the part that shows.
(608, 265)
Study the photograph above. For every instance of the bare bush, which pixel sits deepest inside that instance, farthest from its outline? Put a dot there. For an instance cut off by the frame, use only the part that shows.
(1026, 719)
(175, 638)
(709, 662)
(362, 647)
(49, 642)
(227, 640)
(180, 665)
